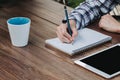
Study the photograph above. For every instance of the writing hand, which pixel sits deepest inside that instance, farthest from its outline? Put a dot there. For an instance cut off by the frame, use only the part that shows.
(63, 35)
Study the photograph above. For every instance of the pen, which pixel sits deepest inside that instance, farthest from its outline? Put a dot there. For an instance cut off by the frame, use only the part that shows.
(67, 20)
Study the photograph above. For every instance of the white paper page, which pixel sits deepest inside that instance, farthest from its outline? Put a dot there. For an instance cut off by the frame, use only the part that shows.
(68, 48)
(88, 37)
(85, 38)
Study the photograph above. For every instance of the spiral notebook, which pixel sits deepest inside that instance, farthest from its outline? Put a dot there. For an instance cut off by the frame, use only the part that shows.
(87, 38)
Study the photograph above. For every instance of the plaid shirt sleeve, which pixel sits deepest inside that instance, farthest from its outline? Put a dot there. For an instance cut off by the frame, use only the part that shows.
(89, 11)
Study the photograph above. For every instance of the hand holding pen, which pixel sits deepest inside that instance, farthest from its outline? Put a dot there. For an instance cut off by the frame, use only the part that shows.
(67, 31)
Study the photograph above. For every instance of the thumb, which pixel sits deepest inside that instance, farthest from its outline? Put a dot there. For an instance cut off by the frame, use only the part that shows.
(75, 33)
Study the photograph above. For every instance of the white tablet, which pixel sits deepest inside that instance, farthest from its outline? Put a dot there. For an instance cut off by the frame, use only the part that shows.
(105, 63)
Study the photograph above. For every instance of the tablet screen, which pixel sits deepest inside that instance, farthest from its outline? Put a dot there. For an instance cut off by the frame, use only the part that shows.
(107, 61)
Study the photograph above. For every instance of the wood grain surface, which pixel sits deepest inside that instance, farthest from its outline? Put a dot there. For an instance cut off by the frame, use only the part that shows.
(35, 61)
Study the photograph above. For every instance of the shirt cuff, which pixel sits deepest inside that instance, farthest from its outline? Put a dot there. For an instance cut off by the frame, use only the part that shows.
(78, 26)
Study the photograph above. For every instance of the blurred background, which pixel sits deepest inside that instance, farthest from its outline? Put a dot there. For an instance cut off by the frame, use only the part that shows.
(71, 3)
(7, 3)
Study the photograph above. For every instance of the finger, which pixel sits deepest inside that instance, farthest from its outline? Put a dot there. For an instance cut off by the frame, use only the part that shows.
(62, 37)
(59, 36)
(65, 39)
(65, 33)
(100, 25)
(59, 33)
(65, 36)
(75, 33)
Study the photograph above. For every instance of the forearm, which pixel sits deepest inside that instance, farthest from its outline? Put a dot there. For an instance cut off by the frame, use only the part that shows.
(87, 12)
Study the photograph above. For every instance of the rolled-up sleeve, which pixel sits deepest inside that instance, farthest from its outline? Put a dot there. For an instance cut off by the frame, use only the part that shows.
(89, 11)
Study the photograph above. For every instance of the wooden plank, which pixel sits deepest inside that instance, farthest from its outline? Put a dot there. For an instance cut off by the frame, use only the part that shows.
(35, 61)
(40, 30)
(43, 30)
(40, 63)
(116, 10)
(112, 13)
(49, 10)
(39, 27)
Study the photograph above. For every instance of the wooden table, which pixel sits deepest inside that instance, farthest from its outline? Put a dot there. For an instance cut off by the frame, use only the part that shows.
(35, 61)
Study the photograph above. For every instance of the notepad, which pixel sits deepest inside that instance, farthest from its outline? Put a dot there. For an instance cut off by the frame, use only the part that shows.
(87, 38)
